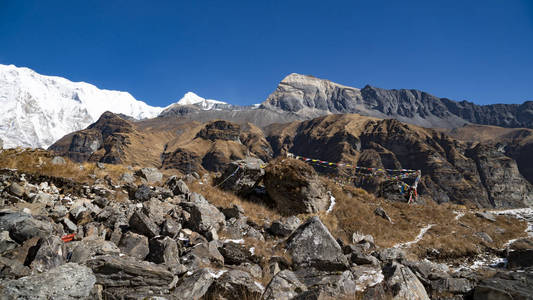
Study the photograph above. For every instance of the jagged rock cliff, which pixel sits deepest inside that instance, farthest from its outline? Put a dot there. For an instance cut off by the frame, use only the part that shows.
(308, 97)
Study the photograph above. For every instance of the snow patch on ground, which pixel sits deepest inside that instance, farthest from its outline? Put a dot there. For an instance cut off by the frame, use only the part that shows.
(417, 239)
(217, 274)
(369, 278)
(331, 204)
(459, 214)
(239, 241)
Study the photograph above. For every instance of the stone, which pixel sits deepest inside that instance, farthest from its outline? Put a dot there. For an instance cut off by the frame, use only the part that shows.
(69, 281)
(203, 254)
(357, 256)
(58, 160)
(43, 198)
(295, 187)
(236, 254)
(157, 210)
(164, 250)
(359, 238)
(284, 285)
(69, 225)
(234, 284)
(379, 211)
(134, 245)
(203, 217)
(505, 285)
(403, 282)
(390, 254)
(235, 211)
(127, 177)
(242, 176)
(47, 254)
(452, 285)
(170, 228)
(151, 175)
(17, 190)
(6, 243)
(141, 224)
(332, 283)
(284, 228)
(114, 271)
(487, 216)
(143, 193)
(177, 186)
(312, 245)
(484, 236)
(196, 285)
(100, 165)
(89, 248)
(22, 226)
(522, 258)
(12, 269)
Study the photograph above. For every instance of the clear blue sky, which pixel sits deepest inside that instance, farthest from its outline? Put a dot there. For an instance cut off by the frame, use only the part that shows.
(238, 51)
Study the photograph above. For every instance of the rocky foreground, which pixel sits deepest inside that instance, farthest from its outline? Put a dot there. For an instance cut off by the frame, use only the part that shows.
(120, 240)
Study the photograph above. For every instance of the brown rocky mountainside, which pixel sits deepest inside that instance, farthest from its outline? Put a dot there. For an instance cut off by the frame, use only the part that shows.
(452, 170)
(164, 143)
(455, 171)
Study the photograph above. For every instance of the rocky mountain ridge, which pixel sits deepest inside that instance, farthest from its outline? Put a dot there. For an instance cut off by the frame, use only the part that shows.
(452, 170)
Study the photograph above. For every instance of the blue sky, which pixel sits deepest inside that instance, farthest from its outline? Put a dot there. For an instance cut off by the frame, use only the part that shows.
(238, 51)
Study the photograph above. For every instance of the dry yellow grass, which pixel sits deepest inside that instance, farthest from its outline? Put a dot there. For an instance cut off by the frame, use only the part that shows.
(38, 161)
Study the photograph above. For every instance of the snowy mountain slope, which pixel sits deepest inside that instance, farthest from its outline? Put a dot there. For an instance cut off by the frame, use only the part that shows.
(37, 110)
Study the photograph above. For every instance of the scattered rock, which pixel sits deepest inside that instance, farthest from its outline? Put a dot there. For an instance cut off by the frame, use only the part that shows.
(143, 193)
(487, 216)
(16, 190)
(236, 254)
(196, 285)
(204, 217)
(505, 285)
(520, 258)
(284, 285)
(484, 236)
(403, 283)
(177, 186)
(170, 228)
(127, 177)
(283, 229)
(58, 160)
(69, 281)
(379, 211)
(47, 254)
(234, 284)
(6, 243)
(151, 175)
(89, 248)
(242, 176)
(141, 224)
(164, 250)
(295, 187)
(134, 245)
(312, 245)
(235, 211)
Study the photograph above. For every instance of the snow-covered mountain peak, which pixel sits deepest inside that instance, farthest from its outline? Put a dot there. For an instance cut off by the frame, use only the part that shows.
(191, 98)
(36, 110)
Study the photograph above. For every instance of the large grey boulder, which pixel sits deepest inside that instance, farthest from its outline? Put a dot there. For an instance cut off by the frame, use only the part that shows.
(177, 186)
(141, 224)
(114, 271)
(506, 285)
(151, 175)
(134, 245)
(196, 285)
(242, 176)
(58, 160)
(164, 249)
(204, 217)
(403, 283)
(50, 254)
(234, 284)
(295, 187)
(312, 245)
(89, 248)
(22, 226)
(69, 281)
(284, 285)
